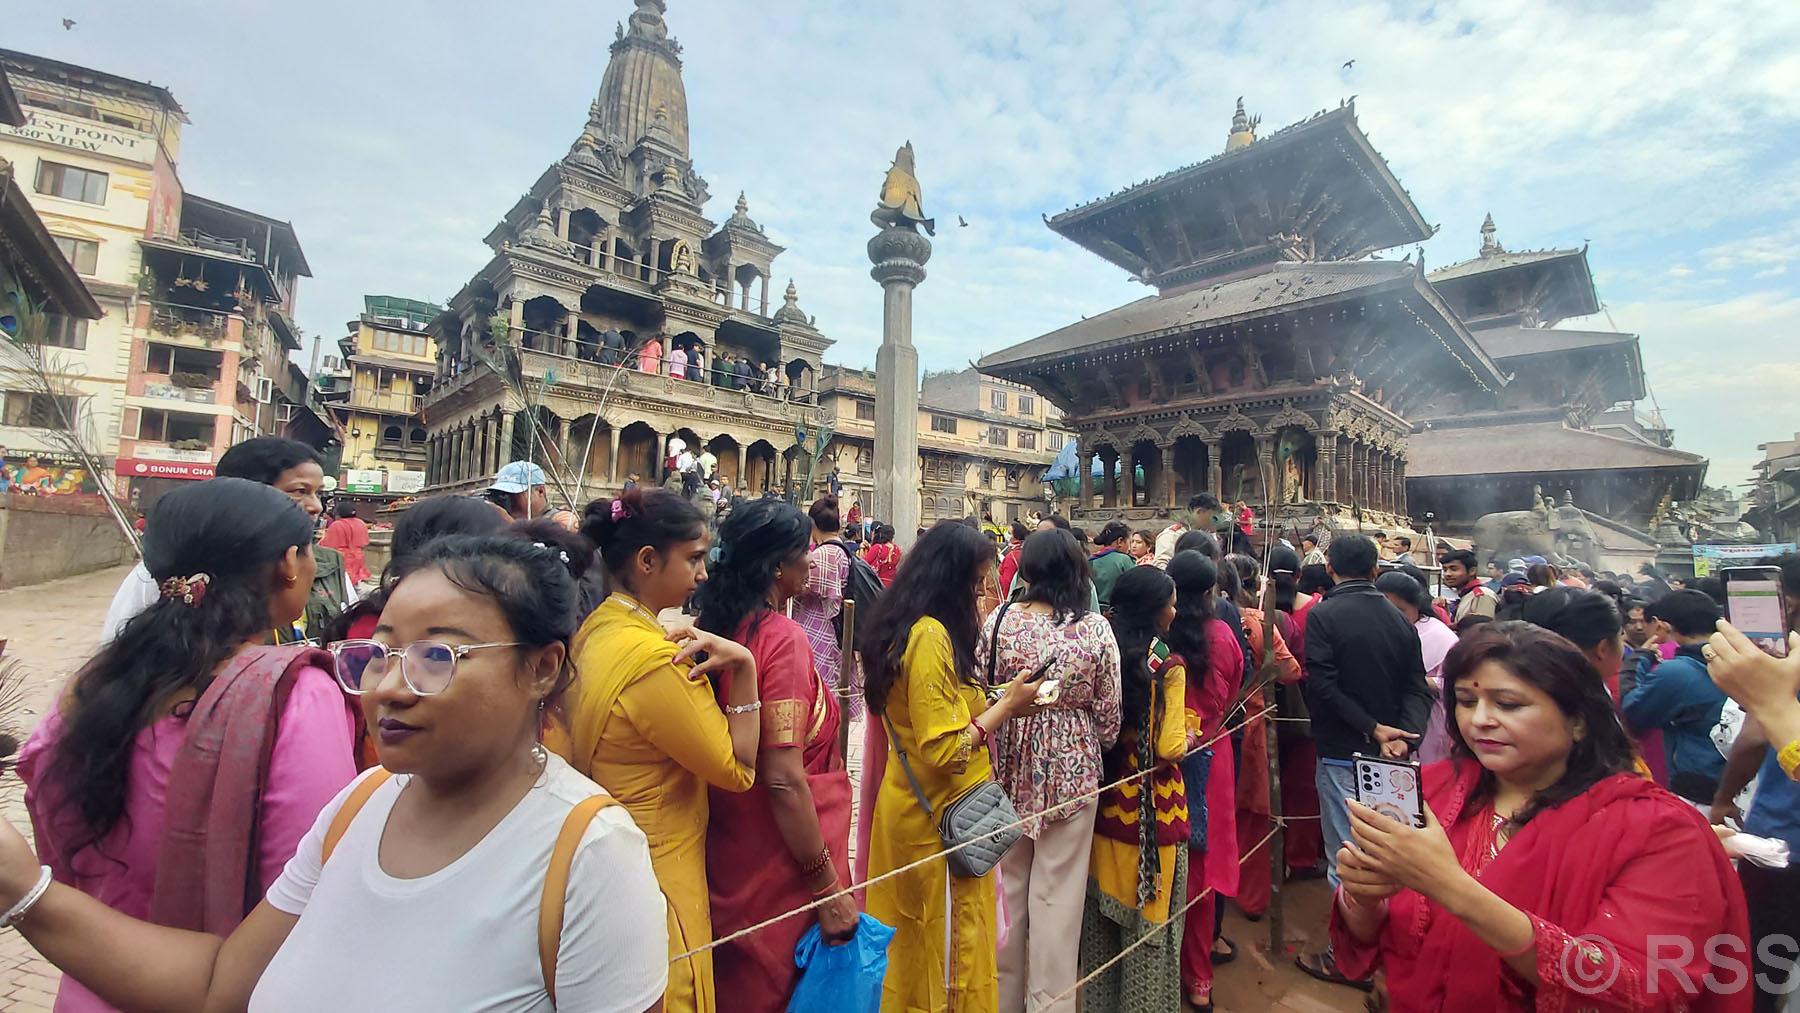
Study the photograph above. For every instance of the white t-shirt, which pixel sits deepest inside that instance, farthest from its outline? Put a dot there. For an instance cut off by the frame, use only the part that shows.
(465, 937)
(139, 591)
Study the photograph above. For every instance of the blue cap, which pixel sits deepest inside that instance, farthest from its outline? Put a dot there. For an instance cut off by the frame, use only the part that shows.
(518, 476)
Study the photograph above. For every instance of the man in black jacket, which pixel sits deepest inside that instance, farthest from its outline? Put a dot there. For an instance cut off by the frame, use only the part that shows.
(1365, 686)
(1365, 681)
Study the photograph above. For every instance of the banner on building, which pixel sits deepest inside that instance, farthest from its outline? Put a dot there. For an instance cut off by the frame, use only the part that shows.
(163, 469)
(1708, 558)
(43, 473)
(363, 480)
(406, 482)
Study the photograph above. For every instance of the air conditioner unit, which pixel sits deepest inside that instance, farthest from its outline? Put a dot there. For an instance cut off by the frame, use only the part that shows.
(265, 389)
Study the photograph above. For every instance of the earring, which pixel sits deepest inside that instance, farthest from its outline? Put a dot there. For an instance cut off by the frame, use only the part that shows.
(539, 756)
(290, 580)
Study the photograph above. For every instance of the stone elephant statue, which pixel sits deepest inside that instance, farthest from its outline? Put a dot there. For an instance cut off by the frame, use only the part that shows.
(1562, 534)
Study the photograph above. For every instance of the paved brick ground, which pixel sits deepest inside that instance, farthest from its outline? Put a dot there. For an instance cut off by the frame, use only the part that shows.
(50, 630)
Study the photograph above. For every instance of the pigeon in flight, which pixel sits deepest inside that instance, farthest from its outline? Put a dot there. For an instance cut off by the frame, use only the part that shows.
(962, 221)
(68, 24)
(1348, 64)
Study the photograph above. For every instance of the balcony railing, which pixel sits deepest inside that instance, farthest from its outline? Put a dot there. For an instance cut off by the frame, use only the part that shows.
(179, 321)
(385, 401)
(201, 240)
(164, 388)
(779, 389)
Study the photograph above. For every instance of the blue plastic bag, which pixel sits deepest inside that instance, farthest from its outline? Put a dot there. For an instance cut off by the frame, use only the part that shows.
(842, 979)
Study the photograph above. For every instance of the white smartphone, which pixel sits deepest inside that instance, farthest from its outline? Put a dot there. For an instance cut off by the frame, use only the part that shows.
(1391, 787)
(1753, 604)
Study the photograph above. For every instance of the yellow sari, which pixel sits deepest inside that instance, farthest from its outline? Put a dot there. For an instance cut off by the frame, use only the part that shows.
(931, 711)
(653, 736)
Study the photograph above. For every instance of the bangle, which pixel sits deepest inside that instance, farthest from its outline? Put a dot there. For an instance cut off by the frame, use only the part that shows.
(1789, 759)
(25, 904)
(812, 868)
(749, 708)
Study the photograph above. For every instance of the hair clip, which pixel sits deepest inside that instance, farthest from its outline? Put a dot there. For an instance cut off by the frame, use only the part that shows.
(619, 510)
(188, 590)
(562, 554)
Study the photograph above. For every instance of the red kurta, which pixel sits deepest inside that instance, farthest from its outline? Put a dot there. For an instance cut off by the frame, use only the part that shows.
(1253, 822)
(750, 874)
(1210, 690)
(1602, 877)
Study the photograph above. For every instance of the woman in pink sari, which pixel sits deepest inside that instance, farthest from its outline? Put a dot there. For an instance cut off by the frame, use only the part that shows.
(348, 534)
(184, 763)
(1549, 874)
(785, 842)
(650, 356)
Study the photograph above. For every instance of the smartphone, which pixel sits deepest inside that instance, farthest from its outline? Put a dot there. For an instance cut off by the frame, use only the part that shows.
(1754, 605)
(1391, 787)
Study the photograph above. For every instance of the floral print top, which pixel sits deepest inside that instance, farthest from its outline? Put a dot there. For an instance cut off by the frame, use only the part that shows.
(1055, 754)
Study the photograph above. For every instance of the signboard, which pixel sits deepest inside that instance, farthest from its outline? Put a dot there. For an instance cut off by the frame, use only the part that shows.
(39, 473)
(1708, 558)
(163, 469)
(406, 482)
(363, 480)
(171, 454)
(85, 136)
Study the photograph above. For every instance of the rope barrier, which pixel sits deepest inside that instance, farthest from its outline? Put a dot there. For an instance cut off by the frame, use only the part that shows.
(1089, 977)
(1076, 801)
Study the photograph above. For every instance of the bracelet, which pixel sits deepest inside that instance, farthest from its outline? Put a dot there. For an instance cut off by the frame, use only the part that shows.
(749, 708)
(813, 867)
(1789, 759)
(32, 896)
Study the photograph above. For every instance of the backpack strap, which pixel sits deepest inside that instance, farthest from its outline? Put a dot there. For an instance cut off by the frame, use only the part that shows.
(556, 883)
(340, 820)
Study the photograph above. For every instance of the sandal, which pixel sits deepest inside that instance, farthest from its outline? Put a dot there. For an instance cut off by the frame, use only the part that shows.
(1230, 954)
(1324, 967)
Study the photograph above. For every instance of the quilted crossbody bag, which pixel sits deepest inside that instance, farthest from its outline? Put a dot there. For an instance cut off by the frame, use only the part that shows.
(980, 825)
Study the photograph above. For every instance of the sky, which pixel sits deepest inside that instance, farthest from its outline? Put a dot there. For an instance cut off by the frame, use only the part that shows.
(1664, 135)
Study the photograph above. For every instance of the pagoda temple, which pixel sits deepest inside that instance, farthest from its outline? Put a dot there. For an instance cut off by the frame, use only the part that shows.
(1564, 426)
(1275, 362)
(560, 349)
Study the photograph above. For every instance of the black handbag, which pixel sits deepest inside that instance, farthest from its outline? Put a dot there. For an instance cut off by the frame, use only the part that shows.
(980, 825)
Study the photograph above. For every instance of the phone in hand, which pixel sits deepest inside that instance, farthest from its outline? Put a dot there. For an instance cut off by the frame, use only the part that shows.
(1391, 787)
(1753, 604)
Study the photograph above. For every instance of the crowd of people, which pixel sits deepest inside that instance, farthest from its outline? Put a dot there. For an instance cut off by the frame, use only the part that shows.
(556, 795)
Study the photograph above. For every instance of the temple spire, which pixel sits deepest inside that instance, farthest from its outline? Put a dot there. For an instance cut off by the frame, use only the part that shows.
(1490, 247)
(1243, 128)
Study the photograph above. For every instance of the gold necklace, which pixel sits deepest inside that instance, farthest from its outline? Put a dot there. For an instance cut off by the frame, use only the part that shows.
(637, 606)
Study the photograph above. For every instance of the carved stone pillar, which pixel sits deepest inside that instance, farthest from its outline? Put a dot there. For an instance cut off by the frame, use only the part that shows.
(764, 311)
(1109, 478)
(1165, 475)
(1355, 472)
(1400, 485)
(1215, 472)
(1325, 467)
(515, 326)
(612, 454)
(504, 452)
(1128, 479)
(743, 472)
(1266, 479)
(1085, 480)
(1390, 501)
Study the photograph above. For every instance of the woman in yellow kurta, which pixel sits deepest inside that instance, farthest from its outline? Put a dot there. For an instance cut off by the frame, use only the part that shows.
(1138, 864)
(646, 726)
(919, 650)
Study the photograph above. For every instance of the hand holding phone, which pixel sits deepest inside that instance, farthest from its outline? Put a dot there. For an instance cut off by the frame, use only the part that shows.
(1391, 787)
(1754, 604)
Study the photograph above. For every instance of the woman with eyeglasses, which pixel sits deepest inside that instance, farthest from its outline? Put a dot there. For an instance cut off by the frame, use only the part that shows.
(785, 842)
(185, 761)
(644, 722)
(438, 860)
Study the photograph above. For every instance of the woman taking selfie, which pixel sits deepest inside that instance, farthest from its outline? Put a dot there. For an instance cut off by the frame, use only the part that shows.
(646, 725)
(800, 806)
(1548, 872)
(925, 695)
(1048, 760)
(448, 858)
(148, 785)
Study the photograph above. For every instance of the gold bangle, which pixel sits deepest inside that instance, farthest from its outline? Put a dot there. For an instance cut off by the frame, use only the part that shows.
(1789, 759)
(748, 708)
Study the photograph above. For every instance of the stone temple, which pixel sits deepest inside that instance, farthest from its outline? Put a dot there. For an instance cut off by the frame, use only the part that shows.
(608, 251)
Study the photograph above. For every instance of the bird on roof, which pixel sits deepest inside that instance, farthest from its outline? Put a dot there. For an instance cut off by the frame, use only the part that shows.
(68, 24)
(1348, 64)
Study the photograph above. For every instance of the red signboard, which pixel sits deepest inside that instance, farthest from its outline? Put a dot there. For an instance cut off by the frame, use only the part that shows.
(162, 469)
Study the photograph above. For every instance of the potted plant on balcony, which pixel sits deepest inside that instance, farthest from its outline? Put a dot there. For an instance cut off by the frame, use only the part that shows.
(191, 381)
(190, 445)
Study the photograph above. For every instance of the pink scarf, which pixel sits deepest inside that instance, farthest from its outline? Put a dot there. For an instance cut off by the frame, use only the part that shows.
(206, 870)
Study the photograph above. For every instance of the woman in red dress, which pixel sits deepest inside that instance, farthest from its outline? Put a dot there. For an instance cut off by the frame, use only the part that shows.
(348, 534)
(1549, 874)
(785, 842)
(882, 555)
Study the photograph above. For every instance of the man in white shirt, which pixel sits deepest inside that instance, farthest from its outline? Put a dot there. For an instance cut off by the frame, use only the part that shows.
(1205, 513)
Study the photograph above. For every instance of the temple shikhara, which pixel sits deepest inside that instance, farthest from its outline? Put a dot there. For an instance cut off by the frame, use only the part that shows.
(614, 315)
(1282, 363)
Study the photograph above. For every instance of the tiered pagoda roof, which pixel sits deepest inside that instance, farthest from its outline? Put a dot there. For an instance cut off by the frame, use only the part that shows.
(1313, 191)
